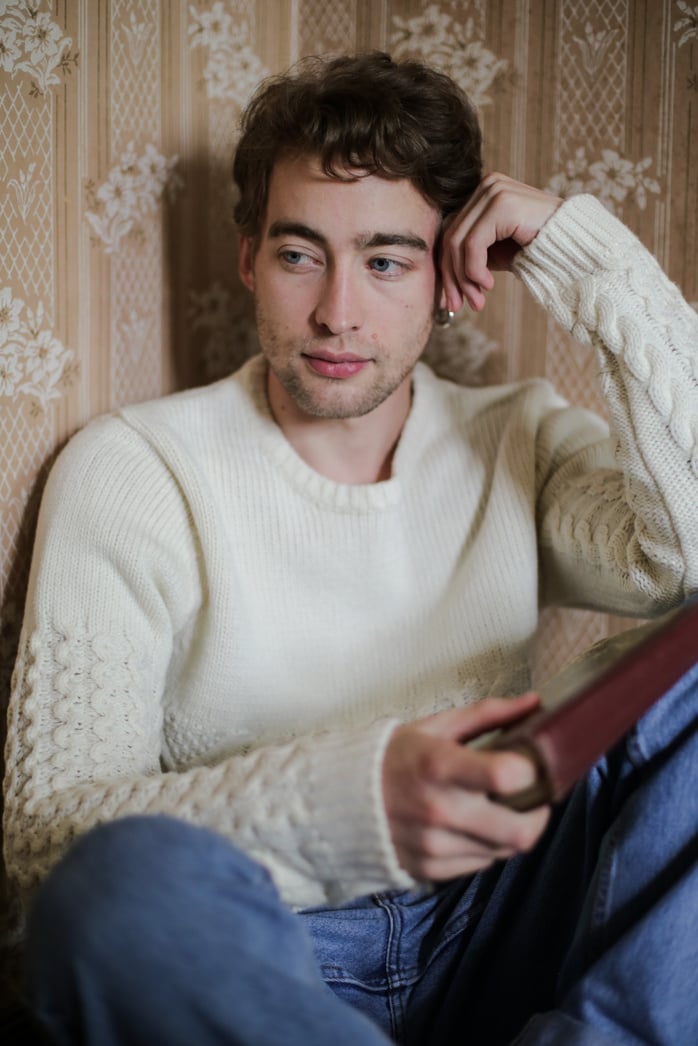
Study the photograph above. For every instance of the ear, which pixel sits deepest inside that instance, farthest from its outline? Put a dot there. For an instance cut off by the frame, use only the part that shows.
(246, 262)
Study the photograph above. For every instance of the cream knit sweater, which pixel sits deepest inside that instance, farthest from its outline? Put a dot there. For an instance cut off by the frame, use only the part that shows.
(216, 632)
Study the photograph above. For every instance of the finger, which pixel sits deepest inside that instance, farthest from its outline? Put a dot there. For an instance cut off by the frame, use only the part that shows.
(452, 297)
(440, 869)
(496, 772)
(501, 218)
(462, 229)
(456, 288)
(482, 823)
(460, 290)
(437, 867)
(457, 284)
(464, 724)
(474, 820)
(465, 276)
(438, 853)
(438, 843)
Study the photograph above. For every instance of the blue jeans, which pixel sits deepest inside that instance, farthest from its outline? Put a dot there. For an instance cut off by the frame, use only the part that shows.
(152, 931)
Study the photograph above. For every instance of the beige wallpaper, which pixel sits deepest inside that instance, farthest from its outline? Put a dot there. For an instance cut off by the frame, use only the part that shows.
(117, 255)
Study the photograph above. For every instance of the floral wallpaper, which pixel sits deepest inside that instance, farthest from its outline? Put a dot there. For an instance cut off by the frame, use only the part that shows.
(33, 44)
(118, 119)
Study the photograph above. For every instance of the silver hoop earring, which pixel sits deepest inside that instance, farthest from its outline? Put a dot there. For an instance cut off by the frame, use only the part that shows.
(443, 317)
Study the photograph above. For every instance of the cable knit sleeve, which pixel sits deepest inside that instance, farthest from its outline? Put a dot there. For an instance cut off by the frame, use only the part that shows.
(617, 519)
(117, 578)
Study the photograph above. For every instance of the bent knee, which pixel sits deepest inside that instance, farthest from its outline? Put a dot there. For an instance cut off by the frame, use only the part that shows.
(130, 872)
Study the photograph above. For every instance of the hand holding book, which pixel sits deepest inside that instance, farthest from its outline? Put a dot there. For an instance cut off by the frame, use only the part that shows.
(592, 703)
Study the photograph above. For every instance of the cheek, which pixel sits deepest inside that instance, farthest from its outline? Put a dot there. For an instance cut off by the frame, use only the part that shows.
(417, 311)
(285, 318)
(290, 300)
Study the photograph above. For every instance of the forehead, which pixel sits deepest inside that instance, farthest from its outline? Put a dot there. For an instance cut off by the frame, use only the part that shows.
(300, 191)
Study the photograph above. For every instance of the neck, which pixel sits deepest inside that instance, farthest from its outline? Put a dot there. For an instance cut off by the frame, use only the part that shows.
(345, 450)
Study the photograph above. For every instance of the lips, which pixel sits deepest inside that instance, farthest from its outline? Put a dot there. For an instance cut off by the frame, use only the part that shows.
(341, 365)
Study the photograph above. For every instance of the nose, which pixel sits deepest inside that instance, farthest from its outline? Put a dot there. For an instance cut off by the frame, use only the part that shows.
(339, 307)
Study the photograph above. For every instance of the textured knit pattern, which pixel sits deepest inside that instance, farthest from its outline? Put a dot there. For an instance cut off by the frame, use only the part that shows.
(216, 632)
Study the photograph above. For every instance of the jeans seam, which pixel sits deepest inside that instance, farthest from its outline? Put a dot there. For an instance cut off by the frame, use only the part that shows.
(599, 917)
(394, 977)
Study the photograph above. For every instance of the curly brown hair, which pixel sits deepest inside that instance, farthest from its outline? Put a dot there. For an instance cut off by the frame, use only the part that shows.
(367, 112)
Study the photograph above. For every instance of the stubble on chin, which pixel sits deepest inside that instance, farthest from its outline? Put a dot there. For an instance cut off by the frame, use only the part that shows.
(337, 398)
(329, 398)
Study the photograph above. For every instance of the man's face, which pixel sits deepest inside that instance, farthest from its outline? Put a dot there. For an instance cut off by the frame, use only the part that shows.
(344, 284)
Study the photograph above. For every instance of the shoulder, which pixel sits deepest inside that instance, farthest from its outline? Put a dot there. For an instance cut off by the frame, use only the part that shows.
(234, 403)
(524, 414)
(167, 434)
(467, 402)
(136, 461)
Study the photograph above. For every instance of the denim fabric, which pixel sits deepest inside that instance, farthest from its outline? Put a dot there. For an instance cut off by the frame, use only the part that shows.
(155, 932)
(152, 931)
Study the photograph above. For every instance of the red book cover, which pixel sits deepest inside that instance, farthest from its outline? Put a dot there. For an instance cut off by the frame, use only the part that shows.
(593, 702)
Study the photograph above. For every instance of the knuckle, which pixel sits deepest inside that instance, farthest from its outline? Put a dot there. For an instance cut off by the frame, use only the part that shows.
(496, 184)
(478, 237)
(432, 814)
(430, 763)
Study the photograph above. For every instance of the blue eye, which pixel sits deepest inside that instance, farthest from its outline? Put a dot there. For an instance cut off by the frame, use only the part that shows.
(386, 266)
(293, 257)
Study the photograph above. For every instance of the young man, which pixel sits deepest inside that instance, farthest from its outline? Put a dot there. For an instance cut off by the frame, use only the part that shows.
(273, 611)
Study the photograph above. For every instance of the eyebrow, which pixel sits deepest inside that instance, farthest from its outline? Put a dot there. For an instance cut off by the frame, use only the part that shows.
(363, 241)
(393, 239)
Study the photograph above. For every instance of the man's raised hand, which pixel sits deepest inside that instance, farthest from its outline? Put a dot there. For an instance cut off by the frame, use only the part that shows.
(500, 218)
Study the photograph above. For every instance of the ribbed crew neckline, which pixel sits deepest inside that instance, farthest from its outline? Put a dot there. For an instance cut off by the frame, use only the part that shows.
(353, 497)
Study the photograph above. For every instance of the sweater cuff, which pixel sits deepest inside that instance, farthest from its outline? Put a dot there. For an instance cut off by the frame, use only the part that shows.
(354, 852)
(581, 238)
